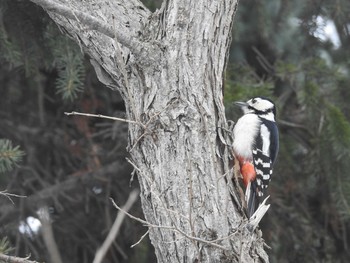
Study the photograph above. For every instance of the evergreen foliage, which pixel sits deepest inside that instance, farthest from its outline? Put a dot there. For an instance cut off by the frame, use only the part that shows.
(69, 63)
(5, 246)
(36, 45)
(9, 155)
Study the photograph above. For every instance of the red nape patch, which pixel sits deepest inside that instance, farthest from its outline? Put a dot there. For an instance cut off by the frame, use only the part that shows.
(248, 173)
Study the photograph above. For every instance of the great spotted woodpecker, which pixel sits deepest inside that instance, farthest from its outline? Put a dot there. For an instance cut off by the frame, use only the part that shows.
(255, 146)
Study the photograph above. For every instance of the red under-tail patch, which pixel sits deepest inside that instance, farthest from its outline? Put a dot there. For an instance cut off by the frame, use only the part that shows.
(248, 172)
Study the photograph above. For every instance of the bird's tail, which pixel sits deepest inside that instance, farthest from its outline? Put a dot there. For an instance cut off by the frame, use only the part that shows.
(251, 198)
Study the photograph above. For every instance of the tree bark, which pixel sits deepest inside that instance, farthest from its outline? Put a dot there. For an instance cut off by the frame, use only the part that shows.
(169, 67)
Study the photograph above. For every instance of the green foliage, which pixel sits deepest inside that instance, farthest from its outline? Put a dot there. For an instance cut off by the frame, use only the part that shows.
(243, 83)
(69, 62)
(70, 77)
(71, 73)
(10, 52)
(337, 137)
(5, 246)
(341, 197)
(9, 155)
(338, 131)
(37, 45)
(286, 71)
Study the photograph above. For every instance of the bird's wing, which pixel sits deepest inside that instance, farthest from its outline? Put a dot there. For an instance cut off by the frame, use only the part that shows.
(263, 169)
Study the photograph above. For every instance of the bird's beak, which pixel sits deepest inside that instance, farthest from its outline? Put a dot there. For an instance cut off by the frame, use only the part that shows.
(241, 104)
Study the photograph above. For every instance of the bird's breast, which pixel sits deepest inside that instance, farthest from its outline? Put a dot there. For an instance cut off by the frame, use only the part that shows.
(245, 133)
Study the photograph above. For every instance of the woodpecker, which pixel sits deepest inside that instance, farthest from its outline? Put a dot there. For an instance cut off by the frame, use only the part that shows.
(255, 146)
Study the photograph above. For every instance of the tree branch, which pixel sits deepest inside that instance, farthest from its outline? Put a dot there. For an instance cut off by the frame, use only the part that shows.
(102, 117)
(87, 20)
(8, 211)
(12, 259)
(48, 235)
(9, 195)
(101, 252)
(127, 40)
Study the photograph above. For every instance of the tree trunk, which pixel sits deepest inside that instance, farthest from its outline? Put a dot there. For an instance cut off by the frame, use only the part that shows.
(169, 68)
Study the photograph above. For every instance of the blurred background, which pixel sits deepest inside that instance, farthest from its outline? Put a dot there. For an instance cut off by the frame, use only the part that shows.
(295, 52)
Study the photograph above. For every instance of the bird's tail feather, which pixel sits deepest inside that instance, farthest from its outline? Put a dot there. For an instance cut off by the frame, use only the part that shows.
(251, 198)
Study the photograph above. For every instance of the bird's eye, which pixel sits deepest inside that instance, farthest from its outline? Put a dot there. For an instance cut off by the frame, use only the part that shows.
(254, 100)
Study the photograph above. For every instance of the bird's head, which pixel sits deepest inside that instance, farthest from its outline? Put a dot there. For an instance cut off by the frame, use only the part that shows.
(260, 106)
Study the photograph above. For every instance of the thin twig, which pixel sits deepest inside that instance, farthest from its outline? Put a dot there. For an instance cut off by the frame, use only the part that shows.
(163, 110)
(137, 141)
(9, 195)
(263, 60)
(145, 223)
(292, 124)
(102, 117)
(149, 121)
(134, 165)
(199, 239)
(139, 171)
(129, 215)
(138, 242)
(224, 238)
(101, 252)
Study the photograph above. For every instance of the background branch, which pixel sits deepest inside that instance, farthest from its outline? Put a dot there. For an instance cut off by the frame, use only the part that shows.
(12, 259)
(59, 190)
(48, 235)
(101, 252)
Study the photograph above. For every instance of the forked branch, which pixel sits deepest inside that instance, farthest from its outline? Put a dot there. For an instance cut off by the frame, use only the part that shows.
(133, 44)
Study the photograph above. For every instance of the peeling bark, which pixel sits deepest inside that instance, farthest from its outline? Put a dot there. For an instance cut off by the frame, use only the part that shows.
(169, 68)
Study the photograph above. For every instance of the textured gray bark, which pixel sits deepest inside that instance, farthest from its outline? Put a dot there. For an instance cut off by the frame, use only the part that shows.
(169, 68)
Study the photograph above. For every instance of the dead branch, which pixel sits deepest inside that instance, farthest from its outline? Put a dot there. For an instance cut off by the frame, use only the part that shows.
(138, 242)
(9, 195)
(175, 229)
(13, 259)
(101, 252)
(102, 117)
(48, 235)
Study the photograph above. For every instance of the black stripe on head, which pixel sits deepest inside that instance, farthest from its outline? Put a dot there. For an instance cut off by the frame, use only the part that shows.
(274, 106)
(259, 112)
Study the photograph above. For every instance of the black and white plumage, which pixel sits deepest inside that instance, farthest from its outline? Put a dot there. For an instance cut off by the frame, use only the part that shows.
(256, 143)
